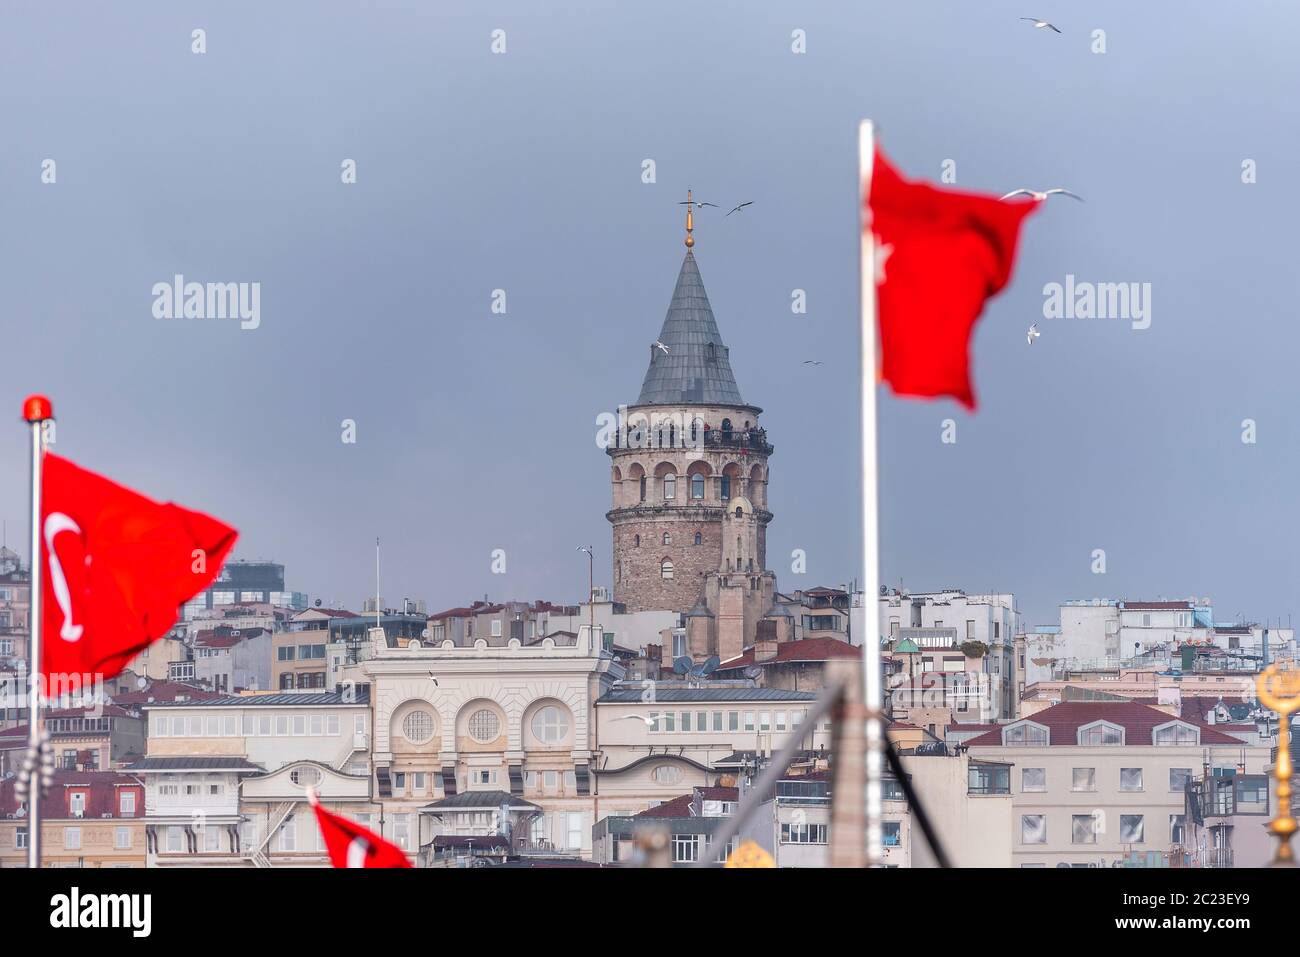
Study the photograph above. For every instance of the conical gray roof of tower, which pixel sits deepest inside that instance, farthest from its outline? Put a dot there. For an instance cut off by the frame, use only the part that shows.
(696, 368)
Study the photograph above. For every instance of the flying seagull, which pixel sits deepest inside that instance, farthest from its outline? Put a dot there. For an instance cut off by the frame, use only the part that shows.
(739, 208)
(1039, 24)
(1036, 194)
(696, 202)
(1033, 333)
(660, 346)
(649, 722)
(812, 362)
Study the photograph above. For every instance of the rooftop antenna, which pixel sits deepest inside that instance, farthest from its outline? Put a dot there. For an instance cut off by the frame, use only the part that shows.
(377, 624)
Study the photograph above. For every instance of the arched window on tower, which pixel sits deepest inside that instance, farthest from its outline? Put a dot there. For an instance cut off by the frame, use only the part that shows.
(699, 539)
(636, 541)
(726, 488)
(697, 486)
(666, 570)
(668, 539)
(643, 488)
(670, 487)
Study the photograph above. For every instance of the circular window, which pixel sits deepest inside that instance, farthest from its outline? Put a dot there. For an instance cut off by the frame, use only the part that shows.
(667, 774)
(484, 726)
(550, 725)
(418, 727)
(306, 776)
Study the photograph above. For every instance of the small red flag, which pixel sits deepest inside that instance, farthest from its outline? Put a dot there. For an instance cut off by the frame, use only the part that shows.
(117, 567)
(351, 845)
(940, 254)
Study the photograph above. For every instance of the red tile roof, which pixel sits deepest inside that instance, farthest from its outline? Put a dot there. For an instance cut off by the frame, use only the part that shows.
(100, 787)
(164, 691)
(677, 807)
(1064, 720)
(806, 649)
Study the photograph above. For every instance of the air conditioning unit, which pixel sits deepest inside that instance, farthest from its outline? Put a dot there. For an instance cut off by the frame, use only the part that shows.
(78, 813)
(107, 814)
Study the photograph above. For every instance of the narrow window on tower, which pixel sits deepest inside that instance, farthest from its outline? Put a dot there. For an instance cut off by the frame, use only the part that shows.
(697, 486)
(726, 488)
(670, 487)
(666, 570)
(668, 539)
(699, 539)
(636, 541)
(643, 488)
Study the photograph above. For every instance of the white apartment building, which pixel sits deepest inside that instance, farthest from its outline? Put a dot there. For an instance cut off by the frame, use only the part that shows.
(1095, 783)
(226, 778)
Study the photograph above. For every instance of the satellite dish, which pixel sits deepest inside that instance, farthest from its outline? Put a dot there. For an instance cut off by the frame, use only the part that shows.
(711, 665)
(682, 665)
(317, 602)
(142, 682)
(696, 672)
(753, 671)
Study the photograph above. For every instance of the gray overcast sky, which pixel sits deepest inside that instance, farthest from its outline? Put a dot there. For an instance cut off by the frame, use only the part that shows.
(522, 171)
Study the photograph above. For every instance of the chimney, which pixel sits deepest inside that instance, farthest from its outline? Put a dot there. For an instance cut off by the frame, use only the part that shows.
(765, 649)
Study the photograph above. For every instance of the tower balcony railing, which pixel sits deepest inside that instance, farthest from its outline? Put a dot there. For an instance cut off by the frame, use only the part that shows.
(743, 440)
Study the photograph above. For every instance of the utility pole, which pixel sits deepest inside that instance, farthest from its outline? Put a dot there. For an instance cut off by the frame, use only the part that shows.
(591, 589)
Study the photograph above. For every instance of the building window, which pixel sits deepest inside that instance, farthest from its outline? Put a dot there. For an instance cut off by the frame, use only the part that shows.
(1177, 828)
(1130, 779)
(484, 726)
(1033, 779)
(418, 727)
(988, 779)
(402, 830)
(642, 488)
(72, 838)
(574, 830)
(636, 541)
(699, 539)
(891, 833)
(1085, 779)
(126, 802)
(289, 834)
(1083, 829)
(668, 774)
(550, 725)
(1033, 829)
(122, 838)
(686, 848)
(726, 488)
(697, 486)
(670, 487)
(1101, 734)
(175, 839)
(1179, 778)
(668, 539)
(816, 833)
(666, 570)
(1130, 829)
(1176, 734)
(1025, 736)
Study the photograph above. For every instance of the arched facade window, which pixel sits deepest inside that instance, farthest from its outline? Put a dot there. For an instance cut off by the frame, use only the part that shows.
(726, 488)
(668, 539)
(670, 487)
(699, 539)
(666, 570)
(697, 486)
(642, 488)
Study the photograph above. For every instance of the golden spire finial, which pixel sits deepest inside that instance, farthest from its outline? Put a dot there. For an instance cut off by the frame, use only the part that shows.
(1279, 690)
(690, 221)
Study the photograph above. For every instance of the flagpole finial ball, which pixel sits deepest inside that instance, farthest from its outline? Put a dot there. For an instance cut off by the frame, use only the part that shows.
(37, 408)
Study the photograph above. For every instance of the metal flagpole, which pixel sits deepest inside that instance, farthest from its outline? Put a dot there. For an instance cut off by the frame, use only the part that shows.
(872, 689)
(37, 410)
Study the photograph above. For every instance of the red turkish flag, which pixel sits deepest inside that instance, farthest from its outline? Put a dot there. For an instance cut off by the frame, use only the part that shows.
(351, 845)
(117, 567)
(940, 254)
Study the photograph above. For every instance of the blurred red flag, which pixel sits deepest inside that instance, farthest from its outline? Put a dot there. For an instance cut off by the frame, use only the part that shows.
(939, 254)
(351, 845)
(117, 567)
